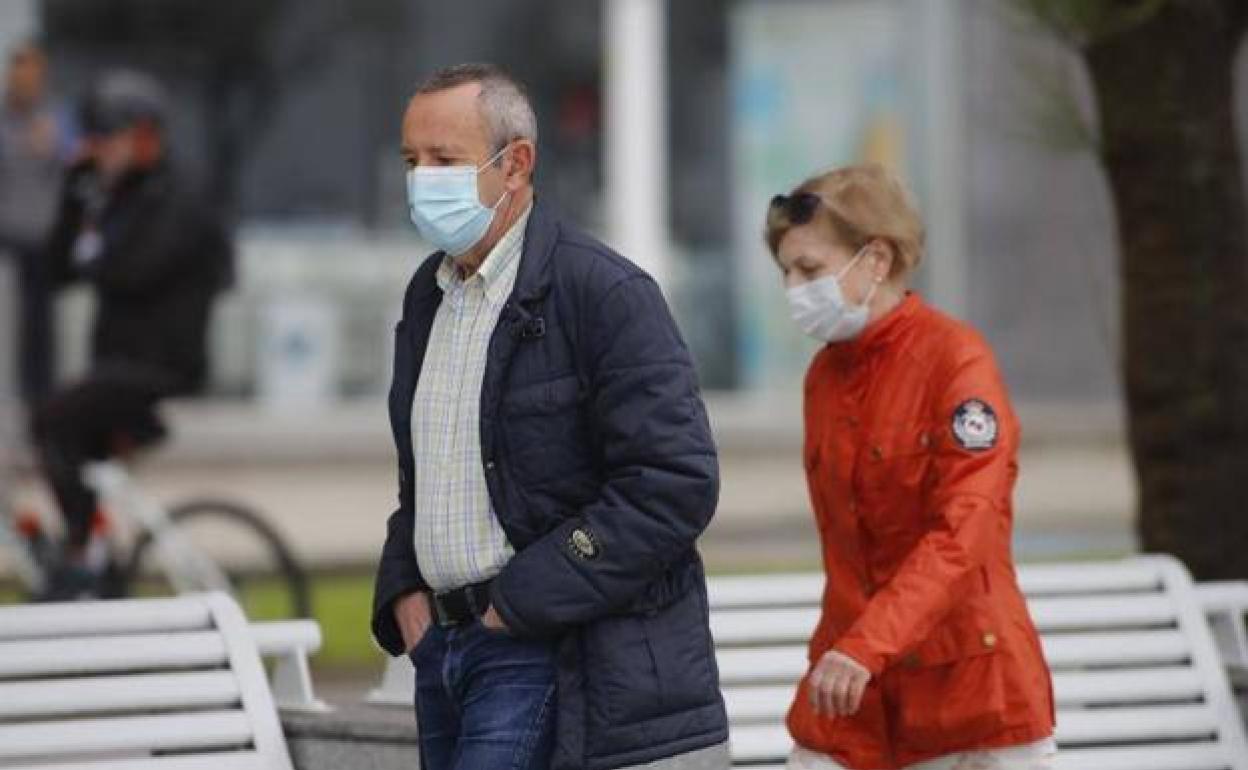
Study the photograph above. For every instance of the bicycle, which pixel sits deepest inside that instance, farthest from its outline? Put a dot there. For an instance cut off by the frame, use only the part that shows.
(198, 545)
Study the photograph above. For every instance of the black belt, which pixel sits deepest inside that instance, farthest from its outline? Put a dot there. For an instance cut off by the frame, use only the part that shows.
(461, 605)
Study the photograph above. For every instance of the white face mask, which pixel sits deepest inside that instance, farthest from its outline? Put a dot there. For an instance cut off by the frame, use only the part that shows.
(820, 309)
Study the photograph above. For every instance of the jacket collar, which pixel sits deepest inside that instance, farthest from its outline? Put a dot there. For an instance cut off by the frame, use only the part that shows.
(533, 276)
(540, 237)
(884, 331)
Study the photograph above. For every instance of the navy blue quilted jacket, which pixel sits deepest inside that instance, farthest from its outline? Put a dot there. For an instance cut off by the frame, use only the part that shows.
(602, 470)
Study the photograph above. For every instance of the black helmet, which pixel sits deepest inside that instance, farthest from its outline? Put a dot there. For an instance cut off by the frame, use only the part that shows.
(121, 98)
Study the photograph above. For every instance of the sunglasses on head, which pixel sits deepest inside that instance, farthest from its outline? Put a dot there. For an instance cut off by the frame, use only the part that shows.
(799, 208)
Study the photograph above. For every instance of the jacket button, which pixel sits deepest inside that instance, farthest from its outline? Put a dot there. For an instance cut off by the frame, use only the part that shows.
(990, 640)
(489, 465)
(912, 660)
(877, 453)
(925, 440)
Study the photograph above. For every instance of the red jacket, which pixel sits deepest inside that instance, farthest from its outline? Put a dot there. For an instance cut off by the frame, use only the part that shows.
(910, 456)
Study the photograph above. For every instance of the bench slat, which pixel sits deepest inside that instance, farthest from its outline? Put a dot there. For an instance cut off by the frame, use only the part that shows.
(105, 653)
(1177, 756)
(1128, 575)
(54, 697)
(806, 588)
(771, 702)
(1115, 649)
(65, 738)
(1127, 610)
(1170, 756)
(221, 760)
(796, 624)
(761, 666)
(1075, 726)
(124, 616)
(1077, 688)
(274, 637)
(797, 589)
(787, 663)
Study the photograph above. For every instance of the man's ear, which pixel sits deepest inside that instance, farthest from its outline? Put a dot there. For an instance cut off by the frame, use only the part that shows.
(523, 157)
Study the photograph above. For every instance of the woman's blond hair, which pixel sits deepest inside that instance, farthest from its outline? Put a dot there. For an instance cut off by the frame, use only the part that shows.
(859, 204)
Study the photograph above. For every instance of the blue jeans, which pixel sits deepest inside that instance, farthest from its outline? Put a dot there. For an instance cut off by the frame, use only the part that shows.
(484, 700)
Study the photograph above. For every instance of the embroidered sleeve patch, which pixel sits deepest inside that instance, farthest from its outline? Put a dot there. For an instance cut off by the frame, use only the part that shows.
(975, 425)
(583, 544)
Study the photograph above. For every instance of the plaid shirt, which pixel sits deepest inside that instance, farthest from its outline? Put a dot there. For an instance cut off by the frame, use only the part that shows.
(458, 539)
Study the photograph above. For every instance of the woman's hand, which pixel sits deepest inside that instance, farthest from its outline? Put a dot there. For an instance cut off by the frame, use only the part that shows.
(836, 684)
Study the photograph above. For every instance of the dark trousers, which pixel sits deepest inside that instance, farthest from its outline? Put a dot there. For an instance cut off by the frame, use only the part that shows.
(105, 415)
(36, 351)
(484, 700)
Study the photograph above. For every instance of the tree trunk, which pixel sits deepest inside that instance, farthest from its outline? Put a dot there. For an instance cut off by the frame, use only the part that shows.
(1165, 93)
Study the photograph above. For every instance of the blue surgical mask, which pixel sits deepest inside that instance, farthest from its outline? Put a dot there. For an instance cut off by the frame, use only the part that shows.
(445, 207)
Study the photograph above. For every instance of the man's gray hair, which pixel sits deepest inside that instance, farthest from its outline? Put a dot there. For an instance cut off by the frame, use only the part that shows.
(504, 104)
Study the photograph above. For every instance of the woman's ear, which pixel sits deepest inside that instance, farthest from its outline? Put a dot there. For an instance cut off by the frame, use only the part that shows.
(885, 256)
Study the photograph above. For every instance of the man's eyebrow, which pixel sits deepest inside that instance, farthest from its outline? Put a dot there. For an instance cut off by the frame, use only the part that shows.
(437, 149)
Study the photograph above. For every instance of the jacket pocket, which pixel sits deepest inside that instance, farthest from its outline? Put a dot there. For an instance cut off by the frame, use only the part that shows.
(951, 690)
(546, 431)
(895, 457)
(892, 471)
(649, 665)
(549, 397)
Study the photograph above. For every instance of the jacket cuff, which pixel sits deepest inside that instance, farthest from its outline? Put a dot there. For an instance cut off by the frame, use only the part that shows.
(514, 623)
(861, 653)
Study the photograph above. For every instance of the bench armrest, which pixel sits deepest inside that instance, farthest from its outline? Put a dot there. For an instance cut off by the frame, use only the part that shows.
(289, 643)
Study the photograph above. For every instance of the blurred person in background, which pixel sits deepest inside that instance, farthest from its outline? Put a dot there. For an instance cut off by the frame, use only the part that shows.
(925, 655)
(37, 140)
(156, 257)
(556, 467)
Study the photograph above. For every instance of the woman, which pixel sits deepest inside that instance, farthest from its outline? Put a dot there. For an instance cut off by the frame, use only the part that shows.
(925, 656)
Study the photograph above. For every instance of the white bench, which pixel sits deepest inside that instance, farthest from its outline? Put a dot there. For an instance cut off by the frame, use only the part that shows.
(141, 684)
(289, 643)
(1138, 680)
(1226, 605)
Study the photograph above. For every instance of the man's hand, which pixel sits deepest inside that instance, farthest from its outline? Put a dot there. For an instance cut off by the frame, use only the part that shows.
(413, 615)
(492, 621)
(837, 684)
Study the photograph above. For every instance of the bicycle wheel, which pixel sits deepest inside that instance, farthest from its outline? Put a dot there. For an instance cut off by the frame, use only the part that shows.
(263, 573)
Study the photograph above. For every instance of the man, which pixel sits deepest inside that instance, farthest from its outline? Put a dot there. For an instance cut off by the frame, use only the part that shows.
(555, 469)
(36, 141)
(156, 257)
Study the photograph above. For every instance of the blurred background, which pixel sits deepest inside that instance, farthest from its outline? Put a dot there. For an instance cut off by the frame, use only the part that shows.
(665, 128)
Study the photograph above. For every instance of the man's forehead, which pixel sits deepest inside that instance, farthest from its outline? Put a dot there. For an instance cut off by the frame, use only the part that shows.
(444, 121)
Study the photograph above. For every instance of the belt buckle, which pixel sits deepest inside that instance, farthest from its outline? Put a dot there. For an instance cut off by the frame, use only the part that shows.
(466, 601)
(440, 613)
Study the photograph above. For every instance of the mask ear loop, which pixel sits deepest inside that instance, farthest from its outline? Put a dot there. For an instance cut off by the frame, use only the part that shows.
(493, 157)
(875, 280)
(487, 164)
